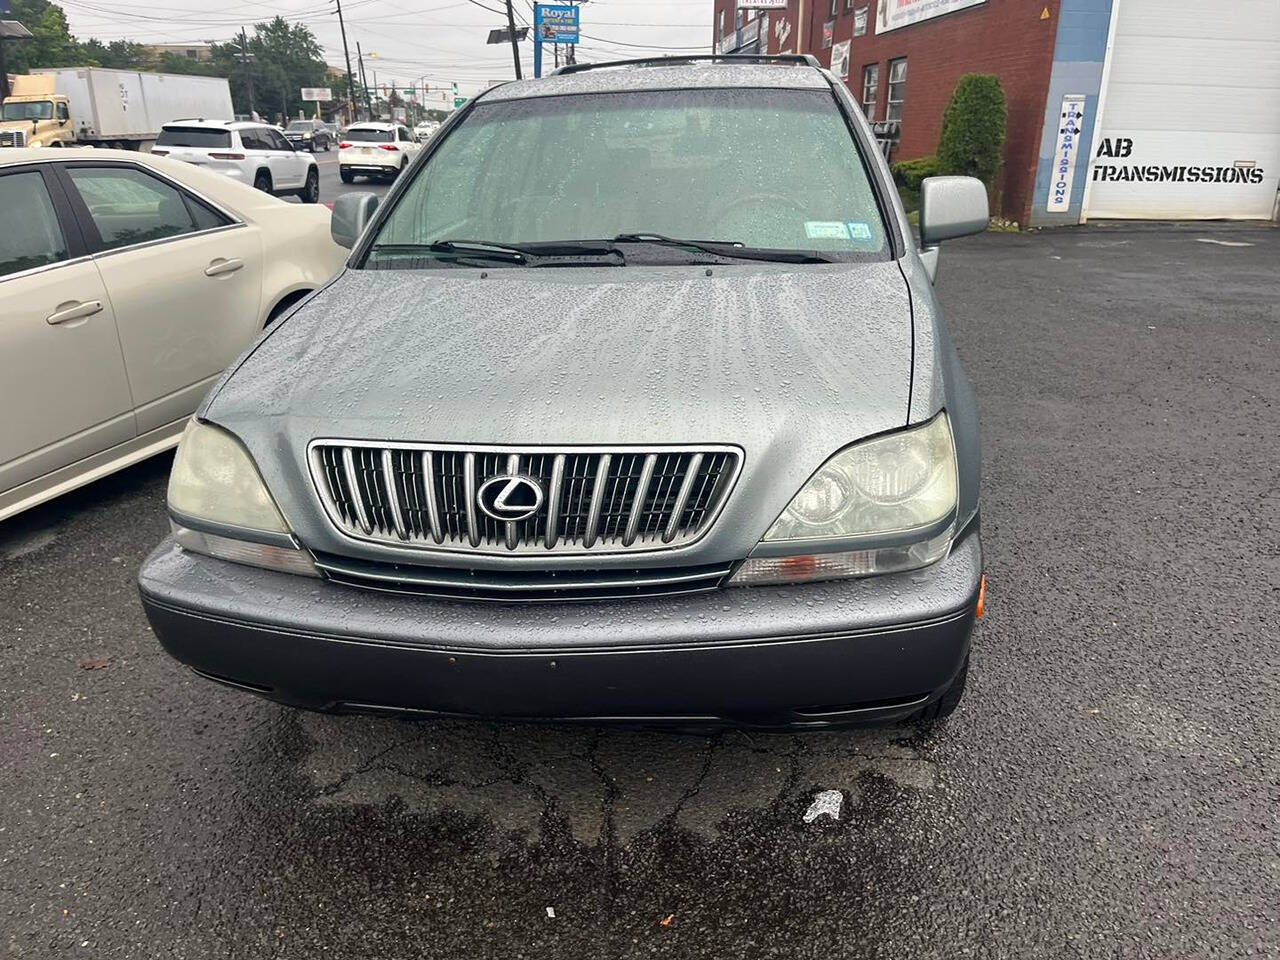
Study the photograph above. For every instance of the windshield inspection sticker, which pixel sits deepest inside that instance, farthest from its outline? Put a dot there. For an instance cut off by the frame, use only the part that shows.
(826, 230)
(859, 230)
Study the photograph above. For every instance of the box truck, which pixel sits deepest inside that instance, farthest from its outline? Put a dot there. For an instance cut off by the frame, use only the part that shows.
(71, 106)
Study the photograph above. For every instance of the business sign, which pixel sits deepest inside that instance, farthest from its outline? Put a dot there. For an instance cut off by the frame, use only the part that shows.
(1066, 150)
(860, 21)
(840, 59)
(744, 4)
(556, 24)
(893, 14)
(317, 93)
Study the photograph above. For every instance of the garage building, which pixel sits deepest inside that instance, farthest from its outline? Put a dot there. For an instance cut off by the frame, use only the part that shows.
(1131, 109)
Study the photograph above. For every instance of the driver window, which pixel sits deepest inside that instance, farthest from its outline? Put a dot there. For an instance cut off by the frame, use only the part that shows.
(63, 112)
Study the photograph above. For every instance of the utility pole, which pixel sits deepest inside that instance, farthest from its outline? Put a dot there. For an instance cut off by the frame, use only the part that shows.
(364, 83)
(515, 44)
(248, 74)
(351, 90)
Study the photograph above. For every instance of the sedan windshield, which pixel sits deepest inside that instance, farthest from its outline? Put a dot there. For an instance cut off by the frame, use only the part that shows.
(754, 170)
(31, 110)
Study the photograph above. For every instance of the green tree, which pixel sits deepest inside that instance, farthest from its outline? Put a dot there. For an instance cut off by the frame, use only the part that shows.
(51, 44)
(116, 55)
(973, 128)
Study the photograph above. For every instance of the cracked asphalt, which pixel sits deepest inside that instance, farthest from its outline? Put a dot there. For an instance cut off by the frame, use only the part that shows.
(1109, 787)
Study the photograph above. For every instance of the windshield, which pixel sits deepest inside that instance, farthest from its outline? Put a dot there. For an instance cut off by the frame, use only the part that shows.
(32, 110)
(764, 169)
(192, 137)
(369, 136)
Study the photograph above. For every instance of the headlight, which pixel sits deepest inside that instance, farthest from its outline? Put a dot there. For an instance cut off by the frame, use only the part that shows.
(214, 482)
(886, 497)
(888, 485)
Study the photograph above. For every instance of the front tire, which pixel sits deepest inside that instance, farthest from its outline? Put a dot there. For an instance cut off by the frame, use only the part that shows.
(346, 175)
(262, 181)
(311, 192)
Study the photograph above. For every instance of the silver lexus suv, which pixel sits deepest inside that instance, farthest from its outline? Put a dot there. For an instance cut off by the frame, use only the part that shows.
(633, 403)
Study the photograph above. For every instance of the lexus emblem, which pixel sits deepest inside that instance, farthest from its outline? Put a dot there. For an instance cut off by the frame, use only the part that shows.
(510, 497)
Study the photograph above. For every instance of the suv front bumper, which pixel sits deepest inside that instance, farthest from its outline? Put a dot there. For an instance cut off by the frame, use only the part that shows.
(840, 652)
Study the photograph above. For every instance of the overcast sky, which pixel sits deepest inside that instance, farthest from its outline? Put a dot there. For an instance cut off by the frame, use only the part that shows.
(442, 39)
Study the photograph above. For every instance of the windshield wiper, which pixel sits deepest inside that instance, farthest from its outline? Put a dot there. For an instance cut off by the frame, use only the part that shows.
(474, 251)
(552, 253)
(726, 248)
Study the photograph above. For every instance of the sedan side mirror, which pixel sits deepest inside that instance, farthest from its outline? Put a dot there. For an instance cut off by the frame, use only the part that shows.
(351, 214)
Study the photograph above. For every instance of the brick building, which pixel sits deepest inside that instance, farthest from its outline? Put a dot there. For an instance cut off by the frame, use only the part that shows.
(1088, 83)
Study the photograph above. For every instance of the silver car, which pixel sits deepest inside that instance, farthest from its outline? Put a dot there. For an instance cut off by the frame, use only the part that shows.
(634, 403)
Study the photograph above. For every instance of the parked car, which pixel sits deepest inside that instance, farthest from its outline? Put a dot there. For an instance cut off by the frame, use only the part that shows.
(309, 135)
(256, 154)
(375, 150)
(127, 283)
(731, 479)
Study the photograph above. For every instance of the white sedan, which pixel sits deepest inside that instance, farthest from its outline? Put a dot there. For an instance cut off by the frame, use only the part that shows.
(374, 149)
(128, 282)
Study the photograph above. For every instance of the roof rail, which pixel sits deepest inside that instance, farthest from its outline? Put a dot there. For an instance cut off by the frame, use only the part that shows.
(795, 59)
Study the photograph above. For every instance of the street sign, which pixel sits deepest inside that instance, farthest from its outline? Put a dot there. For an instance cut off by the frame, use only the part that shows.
(312, 93)
(459, 101)
(504, 35)
(555, 24)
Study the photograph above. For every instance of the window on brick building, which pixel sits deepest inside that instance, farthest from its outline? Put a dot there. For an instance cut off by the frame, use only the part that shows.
(897, 89)
(870, 89)
(835, 7)
(721, 34)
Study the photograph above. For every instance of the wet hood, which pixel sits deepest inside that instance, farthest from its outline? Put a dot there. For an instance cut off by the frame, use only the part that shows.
(612, 355)
(788, 363)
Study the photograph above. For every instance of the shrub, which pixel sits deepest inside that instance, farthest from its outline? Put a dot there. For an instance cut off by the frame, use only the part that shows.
(907, 174)
(972, 142)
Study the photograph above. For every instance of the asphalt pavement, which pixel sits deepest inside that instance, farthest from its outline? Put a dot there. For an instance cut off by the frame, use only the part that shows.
(1108, 788)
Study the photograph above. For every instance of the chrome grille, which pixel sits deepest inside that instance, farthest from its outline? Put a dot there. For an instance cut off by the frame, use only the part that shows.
(596, 500)
(534, 586)
(13, 138)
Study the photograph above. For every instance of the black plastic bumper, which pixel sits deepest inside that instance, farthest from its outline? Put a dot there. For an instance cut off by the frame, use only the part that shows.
(841, 652)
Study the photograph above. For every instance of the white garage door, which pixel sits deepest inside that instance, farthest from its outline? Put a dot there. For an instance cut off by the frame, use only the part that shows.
(1191, 112)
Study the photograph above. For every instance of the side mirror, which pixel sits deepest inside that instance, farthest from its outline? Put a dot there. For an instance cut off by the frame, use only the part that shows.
(351, 214)
(952, 207)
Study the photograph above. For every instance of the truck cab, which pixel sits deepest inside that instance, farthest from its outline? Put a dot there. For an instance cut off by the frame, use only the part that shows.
(35, 115)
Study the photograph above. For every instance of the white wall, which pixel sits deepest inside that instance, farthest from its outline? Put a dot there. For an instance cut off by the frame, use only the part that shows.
(1193, 94)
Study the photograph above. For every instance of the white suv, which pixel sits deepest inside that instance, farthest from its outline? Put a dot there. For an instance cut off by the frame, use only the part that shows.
(253, 153)
(375, 150)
